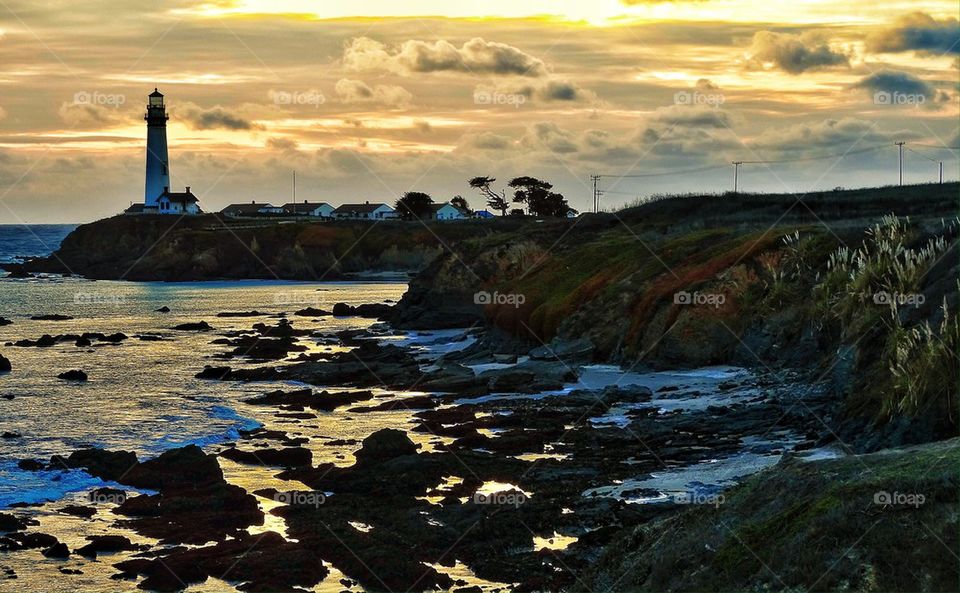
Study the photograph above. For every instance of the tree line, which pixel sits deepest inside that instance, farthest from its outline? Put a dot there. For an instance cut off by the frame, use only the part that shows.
(530, 195)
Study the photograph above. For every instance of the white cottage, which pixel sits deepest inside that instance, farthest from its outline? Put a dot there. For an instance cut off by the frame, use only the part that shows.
(445, 211)
(178, 202)
(365, 211)
(316, 209)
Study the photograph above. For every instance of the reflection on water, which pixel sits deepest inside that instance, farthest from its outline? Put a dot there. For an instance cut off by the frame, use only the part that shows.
(141, 395)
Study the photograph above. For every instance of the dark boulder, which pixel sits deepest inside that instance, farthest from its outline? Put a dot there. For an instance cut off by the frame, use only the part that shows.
(199, 326)
(106, 544)
(58, 550)
(5, 366)
(54, 317)
(74, 375)
(383, 445)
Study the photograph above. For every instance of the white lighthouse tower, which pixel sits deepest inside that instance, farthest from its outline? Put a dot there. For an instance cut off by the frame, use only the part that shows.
(158, 164)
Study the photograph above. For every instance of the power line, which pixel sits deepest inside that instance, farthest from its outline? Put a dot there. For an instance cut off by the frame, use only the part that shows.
(816, 158)
(597, 178)
(664, 173)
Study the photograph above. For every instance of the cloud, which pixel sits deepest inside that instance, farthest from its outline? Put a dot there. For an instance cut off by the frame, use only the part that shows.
(282, 144)
(357, 91)
(3, 113)
(794, 54)
(476, 56)
(917, 31)
(214, 118)
(701, 116)
(488, 141)
(896, 83)
(89, 114)
(546, 90)
(847, 132)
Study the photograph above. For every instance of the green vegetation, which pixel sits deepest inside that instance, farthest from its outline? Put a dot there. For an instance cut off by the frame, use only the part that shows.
(811, 526)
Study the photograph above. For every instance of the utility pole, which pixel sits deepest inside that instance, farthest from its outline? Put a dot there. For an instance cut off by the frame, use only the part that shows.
(596, 192)
(294, 187)
(941, 172)
(900, 159)
(736, 176)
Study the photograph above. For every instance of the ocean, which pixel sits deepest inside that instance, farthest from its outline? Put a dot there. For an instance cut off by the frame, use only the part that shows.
(18, 241)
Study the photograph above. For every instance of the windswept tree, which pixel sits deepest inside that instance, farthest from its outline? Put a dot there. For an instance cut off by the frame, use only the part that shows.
(538, 197)
(495, 201)
(414, 205)
(460, 203)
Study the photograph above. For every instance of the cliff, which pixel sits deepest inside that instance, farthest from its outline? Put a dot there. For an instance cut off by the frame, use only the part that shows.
(207, 247)
(759, 281)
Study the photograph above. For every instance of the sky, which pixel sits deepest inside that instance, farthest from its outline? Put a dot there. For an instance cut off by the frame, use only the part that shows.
(369, 99)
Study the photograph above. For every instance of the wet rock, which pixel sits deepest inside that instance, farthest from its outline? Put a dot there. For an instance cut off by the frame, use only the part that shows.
(30, 465)
(383, 445)
(261, 348)
(214, 373)
(10, 522)
(419, 402)
(107, 544)
(45, 341)
(370, 310)
(5, 366)
(312, 312)
(70, 571)
(114, 338)
(569, 351)
(10, 435)
(285, 457)
(306, 398)
(229, 314)
(59, 551)
(263, 562)
(100, 463)
(53, 317)
(199, 326)
(163, 309)
(73, 375)
(4, 321)
(82, 342)
(78, 511)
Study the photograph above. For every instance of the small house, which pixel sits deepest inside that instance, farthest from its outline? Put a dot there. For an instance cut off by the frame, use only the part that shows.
(178, 202)
(251, 209)
(365, 211)
(316, 209)
(445, 211)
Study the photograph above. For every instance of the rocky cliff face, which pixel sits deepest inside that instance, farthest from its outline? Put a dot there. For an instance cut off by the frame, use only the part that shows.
(763, 286)
(206, 247)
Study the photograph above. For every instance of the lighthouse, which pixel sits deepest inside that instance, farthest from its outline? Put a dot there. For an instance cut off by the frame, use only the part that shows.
(158, 164)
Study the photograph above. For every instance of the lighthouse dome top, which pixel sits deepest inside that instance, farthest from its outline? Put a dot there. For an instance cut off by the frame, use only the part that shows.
(156, 93)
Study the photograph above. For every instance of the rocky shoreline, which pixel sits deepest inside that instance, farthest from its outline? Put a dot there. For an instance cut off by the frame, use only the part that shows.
(525, 472)
(547, 410)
